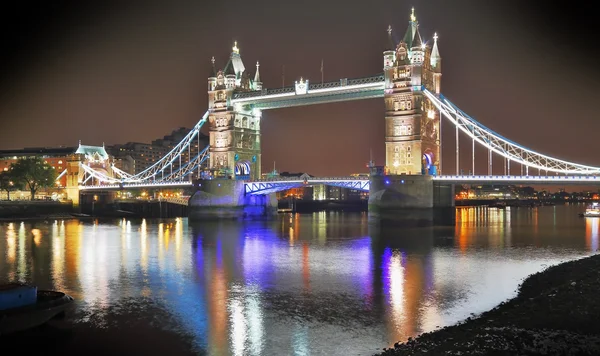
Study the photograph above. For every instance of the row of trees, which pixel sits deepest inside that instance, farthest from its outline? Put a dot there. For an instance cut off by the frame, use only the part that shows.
(31, 173)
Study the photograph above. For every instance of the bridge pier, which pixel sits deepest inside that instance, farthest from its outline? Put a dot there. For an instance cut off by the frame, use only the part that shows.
(411, 201)
(226, 199)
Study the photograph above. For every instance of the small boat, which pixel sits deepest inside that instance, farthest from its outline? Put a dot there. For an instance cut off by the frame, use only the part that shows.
(592, 211)
(498, 205)
(23, 307)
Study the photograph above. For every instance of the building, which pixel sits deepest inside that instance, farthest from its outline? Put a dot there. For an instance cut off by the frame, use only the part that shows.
(65, 161)
(57, 157)
(412, 141)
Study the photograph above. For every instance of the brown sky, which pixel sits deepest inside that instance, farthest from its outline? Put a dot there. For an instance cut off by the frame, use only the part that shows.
(134, 73)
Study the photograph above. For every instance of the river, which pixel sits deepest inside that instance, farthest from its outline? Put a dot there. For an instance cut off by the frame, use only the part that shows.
(304, 284)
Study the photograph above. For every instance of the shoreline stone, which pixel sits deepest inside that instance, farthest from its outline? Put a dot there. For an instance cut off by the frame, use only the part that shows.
(556, 312)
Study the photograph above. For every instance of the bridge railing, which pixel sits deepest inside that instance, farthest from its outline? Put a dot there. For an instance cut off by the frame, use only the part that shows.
(288, 179)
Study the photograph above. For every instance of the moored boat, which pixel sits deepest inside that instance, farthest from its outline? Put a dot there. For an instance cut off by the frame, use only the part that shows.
(23, 307)
(592, 211)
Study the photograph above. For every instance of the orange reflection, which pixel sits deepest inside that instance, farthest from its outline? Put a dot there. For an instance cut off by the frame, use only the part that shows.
(591, 234)
(305, 267)
(11, 242)
(217, 299)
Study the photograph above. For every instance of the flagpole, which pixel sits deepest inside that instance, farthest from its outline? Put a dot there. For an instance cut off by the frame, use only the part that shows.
(321, 71)
(283, 76)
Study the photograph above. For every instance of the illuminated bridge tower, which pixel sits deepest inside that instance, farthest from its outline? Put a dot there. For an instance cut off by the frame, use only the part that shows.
(405, 192)
(234, 136)
(234, 132)
(412, 130)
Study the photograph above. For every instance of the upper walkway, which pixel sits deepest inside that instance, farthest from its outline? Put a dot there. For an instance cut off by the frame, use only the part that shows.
(304, 93)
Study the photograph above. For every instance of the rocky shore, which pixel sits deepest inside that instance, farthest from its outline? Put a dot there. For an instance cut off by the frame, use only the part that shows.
(556, 312)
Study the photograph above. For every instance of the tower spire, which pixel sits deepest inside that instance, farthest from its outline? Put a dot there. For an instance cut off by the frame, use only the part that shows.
(391, 45)
(235, 48)
(435, 53)
(411, 31)
(257, 75)
(214, 69)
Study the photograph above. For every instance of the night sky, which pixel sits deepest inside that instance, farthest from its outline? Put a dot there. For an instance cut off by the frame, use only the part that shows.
(116, 73)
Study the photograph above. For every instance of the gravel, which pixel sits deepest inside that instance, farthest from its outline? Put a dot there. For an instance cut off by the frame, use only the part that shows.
(557, 312)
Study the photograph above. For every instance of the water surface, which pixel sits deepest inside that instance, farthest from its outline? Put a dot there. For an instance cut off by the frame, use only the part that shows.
(322, 283)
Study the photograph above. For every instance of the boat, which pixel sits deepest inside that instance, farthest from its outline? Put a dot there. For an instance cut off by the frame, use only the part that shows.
(592, 211)
(498, 205)
(24, 307)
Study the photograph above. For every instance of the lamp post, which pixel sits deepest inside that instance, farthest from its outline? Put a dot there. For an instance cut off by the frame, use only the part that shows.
(93, 201)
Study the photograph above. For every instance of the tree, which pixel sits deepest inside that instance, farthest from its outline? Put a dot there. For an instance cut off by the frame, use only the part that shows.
(34, 173)
(8, 183)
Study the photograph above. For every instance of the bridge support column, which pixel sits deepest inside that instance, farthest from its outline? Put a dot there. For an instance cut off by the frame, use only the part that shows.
(411, 201)
(226, 199)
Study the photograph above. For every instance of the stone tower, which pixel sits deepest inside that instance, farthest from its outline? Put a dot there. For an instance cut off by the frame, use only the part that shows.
(234, 132)
(412, 140)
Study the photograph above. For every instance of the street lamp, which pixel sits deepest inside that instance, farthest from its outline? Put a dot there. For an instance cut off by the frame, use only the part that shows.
(93, 201)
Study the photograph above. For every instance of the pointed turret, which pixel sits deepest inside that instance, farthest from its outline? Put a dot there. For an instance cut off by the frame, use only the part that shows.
(391, 45)
(257, 75)
(417, 42)
(212, 80)
(411, 30)
(435, 54)
(214, 69)
(389, 53)
(257, 82)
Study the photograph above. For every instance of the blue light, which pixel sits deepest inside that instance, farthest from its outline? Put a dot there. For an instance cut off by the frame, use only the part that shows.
(402, 181)
(387, 181)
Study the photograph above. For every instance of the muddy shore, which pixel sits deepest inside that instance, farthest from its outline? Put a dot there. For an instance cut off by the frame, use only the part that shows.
(556, 312)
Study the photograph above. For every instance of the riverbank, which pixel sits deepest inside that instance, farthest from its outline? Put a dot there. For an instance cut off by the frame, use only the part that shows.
(555, 313)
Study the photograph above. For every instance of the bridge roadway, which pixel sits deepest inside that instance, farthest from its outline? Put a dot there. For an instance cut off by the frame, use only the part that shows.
(272, 185)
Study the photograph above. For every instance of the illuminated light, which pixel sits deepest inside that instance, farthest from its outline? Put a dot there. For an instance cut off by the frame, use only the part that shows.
(431, 114)
(423, 46)
(387, 181)
(396, 164)
(402, 181)
(235, 48)
(413, 18)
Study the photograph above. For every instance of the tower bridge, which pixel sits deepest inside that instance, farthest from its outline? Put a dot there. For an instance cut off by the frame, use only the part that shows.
(411, 185)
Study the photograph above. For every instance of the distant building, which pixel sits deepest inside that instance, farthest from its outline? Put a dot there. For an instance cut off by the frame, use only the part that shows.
(65, 160)
(57, 157)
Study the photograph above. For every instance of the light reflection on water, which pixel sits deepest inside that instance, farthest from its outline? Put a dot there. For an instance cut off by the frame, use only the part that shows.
(323, 283)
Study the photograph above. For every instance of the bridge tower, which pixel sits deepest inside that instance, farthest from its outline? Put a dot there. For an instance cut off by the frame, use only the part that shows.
(412, 130)
(234, 132)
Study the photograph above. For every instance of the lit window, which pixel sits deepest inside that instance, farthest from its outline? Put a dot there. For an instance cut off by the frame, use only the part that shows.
(60, 162)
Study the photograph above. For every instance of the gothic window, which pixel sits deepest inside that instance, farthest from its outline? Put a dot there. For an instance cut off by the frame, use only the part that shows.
(252, 124)
(245, 122)
(240, 141)
(409, 130)
(220, 95)
(396, 149)
(408, 105)
(237, 122)
(396, 105)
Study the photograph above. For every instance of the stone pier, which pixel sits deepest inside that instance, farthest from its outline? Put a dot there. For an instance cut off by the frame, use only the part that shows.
(226, 199)
(410, 200)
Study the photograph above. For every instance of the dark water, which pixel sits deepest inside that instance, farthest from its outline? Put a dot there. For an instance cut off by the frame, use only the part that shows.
(323, 283)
